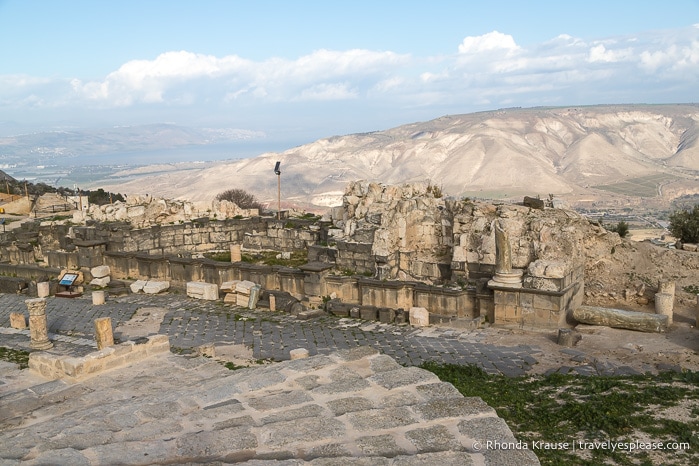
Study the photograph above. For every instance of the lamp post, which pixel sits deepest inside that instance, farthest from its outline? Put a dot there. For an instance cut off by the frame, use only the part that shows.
(278, 172)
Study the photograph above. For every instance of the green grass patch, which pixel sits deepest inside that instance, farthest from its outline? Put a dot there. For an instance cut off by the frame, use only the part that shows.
(570, 408)
(18, 357)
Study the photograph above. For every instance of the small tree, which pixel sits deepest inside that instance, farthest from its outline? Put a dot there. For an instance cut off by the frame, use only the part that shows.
(684, 225)
(240, 197)
(622, 229)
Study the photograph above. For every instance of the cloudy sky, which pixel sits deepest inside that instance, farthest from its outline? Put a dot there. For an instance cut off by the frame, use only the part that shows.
(302, 70)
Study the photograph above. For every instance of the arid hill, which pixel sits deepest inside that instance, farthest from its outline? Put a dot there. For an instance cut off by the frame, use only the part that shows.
(573, 152)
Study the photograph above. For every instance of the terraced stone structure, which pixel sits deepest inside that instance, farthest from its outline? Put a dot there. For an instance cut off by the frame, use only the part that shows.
(351, 407)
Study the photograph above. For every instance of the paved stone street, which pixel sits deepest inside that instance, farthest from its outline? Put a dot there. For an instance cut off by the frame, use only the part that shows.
(272, 335)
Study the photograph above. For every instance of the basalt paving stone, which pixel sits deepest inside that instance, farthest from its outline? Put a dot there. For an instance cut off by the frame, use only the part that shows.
(380, 445)
(433, 438)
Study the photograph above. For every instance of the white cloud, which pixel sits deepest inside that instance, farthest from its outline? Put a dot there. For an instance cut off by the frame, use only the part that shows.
(487, 43)
(490, 69)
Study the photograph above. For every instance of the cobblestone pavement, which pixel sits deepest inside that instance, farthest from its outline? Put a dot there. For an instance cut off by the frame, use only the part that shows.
(271, 335)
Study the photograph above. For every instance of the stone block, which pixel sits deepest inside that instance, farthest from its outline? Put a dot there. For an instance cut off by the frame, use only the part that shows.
(254, 296)
(229, 287)
(244, 287)
(101, 282)
(155, 287)
(298, 353)
(386, 315)
(137, 286)
(230, 298)
(369, 313)
(43, 289)
(17, 320)
(100, 271)
(419, 317)
(242, 299)
(202, 290)
(98, 298)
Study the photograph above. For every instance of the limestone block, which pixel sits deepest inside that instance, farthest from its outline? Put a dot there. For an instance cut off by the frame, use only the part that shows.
(101, 282)
(103, 332)
(242, 299)
(137, 286)
(229, 287)
(100, 271)
(419, 317)
(155, 287)
(244, 287)
(17, 320)
(98, 298)
(202, 290)
(230, 298)
(298, 353)
(43, 289)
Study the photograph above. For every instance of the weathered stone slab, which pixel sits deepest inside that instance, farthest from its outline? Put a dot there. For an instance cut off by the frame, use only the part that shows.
(155, 287)
(202, 290)
(101, 282)
(229, 287)
(17, 320)
(137, 286)
(244, 287)
(419, 317)
(617, 318)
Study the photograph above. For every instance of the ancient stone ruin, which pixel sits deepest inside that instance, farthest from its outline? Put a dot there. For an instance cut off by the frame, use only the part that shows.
(386, 250)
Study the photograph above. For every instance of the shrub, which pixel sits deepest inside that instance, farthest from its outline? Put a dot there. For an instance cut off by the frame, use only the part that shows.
(684, 225)
(241, 198)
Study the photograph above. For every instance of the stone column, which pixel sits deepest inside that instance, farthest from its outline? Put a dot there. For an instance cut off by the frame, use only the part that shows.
(236, 254)
(38, 328)
(505, 275)
(503, 251)
(663, 305)
(273, 303)
(98, 297)
(103, 332)
(667, 287)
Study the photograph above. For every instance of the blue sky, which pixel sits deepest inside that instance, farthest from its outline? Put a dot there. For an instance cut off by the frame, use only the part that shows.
(301, 70)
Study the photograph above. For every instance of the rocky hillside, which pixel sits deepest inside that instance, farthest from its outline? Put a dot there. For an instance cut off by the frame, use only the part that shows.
(498, 154)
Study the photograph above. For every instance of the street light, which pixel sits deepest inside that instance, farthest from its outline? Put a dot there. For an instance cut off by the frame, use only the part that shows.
(278, 172)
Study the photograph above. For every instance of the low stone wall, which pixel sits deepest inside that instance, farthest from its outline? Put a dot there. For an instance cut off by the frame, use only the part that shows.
(73, 369)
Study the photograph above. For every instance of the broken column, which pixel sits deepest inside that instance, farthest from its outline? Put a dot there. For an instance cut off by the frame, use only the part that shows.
(667, 287)
(38, 328)
(103, 332)
(236, 255)
(98, 297)
(664, 303)
(43, 289)
(505, 275)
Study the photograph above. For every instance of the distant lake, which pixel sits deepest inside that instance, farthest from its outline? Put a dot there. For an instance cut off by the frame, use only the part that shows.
(195, 153)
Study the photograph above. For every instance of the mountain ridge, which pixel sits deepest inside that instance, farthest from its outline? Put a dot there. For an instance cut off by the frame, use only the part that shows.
(497, 154)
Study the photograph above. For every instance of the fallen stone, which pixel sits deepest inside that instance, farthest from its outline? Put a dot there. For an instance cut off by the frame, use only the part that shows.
(137, 286)
(419, 317)
(202, 290)
(17, 320)
(100, 271)
(617, 318)
(155, 287)
(568, 337)
(101, 282)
